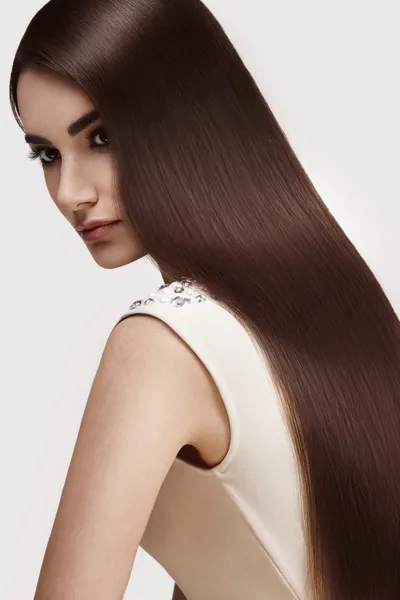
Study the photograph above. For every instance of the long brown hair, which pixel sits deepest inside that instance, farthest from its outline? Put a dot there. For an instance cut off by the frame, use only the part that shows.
(213, 191)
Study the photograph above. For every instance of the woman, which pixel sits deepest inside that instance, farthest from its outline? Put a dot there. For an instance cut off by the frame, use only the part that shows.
(244, 426)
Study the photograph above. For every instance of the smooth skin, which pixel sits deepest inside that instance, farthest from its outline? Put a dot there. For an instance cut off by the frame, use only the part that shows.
(151, 395)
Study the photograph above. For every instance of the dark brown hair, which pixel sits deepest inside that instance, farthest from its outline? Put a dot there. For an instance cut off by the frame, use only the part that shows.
(214, 192)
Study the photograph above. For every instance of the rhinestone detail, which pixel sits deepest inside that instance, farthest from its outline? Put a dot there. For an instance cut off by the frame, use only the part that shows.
(177, 293)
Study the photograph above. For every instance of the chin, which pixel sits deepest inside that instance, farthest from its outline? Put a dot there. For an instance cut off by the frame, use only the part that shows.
(111, 257)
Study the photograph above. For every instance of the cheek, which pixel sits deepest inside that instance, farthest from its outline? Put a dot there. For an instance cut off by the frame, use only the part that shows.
(52, 180)
(103, 174)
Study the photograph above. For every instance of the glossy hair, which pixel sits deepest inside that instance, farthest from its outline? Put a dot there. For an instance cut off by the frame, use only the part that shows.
(214, 192)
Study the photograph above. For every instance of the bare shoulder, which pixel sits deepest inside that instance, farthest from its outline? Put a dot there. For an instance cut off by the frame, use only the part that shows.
(162, 354)
(143, 333)
(149, 342)
(157, 362)
(146, 402)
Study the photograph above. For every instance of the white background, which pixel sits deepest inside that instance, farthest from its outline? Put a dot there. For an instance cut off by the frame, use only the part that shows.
(330, 72)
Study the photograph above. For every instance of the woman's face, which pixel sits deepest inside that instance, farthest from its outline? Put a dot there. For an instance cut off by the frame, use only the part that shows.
(77, 164)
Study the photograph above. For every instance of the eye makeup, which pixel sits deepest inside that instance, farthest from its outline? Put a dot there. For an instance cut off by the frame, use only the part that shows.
(46, 161)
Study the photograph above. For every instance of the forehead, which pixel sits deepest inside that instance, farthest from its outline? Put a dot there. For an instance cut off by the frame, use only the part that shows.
(49, 102)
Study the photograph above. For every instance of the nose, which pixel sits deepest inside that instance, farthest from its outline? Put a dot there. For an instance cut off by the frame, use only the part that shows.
(75, 186)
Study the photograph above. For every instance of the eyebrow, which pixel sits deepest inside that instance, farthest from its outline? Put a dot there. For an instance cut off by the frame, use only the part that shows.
(75, 128)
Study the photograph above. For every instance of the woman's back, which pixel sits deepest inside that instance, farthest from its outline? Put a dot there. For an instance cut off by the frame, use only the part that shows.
(233, 530)
(194, 170)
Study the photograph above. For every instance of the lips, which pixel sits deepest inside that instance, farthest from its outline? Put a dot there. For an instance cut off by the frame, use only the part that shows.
(97, 226)
(98, 231)
(93, 224)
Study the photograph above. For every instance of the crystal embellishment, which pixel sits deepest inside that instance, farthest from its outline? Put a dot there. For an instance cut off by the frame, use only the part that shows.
(135, 304)
(177, 293)
(179, 300)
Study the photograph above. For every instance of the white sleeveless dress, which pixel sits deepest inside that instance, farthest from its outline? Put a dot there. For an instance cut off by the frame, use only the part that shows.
(232, 532)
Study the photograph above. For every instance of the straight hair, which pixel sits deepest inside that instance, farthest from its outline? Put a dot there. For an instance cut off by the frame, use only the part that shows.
(212, 189)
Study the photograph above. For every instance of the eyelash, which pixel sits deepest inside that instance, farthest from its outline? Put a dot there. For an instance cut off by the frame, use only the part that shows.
(35, 153)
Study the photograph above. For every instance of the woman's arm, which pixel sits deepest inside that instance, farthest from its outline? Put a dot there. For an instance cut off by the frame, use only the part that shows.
(140, 412)
(178, 594)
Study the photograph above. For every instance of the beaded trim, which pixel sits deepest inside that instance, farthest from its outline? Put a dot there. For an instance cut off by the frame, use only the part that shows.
(178, 293)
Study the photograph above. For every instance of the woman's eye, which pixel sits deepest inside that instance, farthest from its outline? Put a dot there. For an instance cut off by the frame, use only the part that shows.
(100, 138)
(48, 155)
